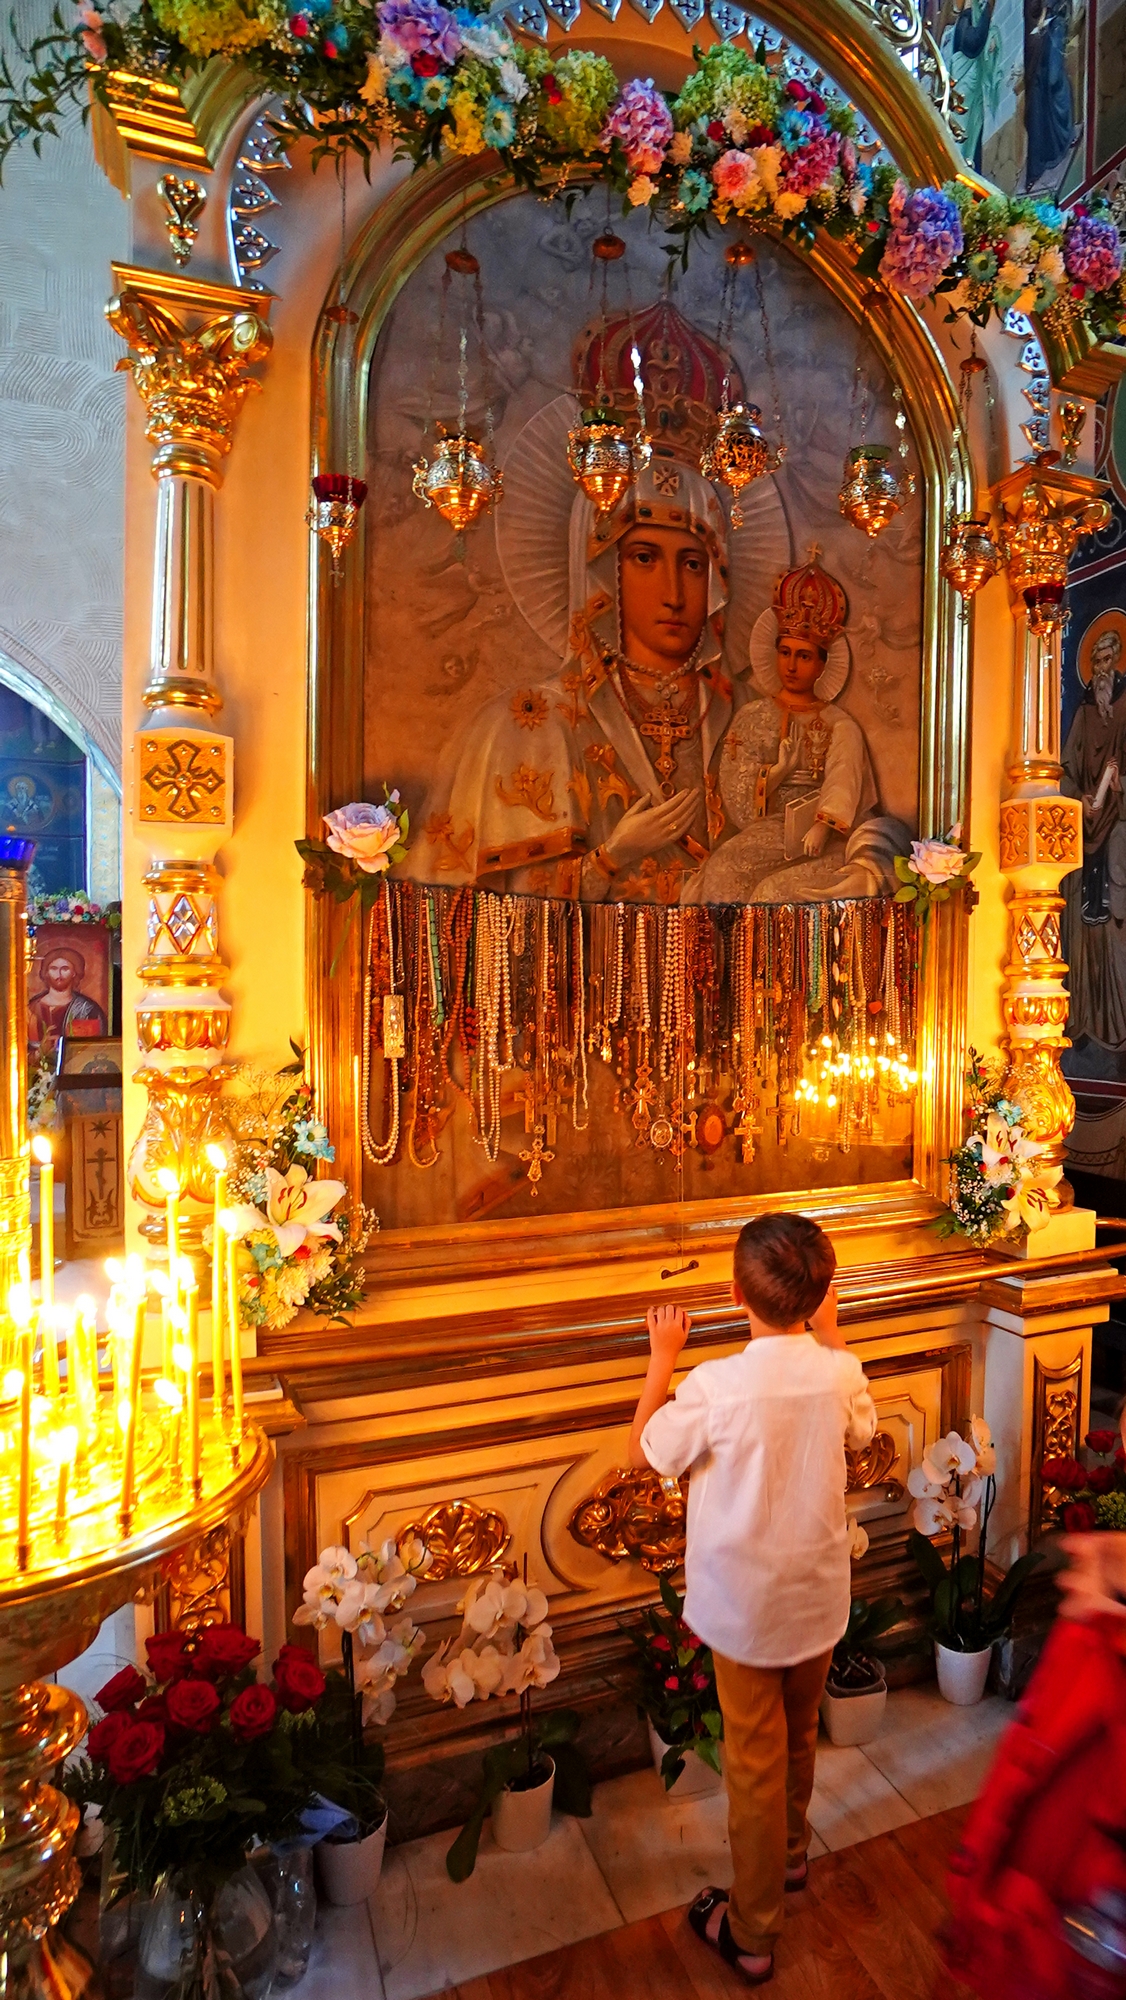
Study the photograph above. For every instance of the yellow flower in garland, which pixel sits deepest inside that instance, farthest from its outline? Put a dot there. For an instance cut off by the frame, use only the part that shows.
(465, 133)
(220, 27)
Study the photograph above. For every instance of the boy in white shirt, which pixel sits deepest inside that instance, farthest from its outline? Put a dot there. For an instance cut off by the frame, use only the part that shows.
(767, 1576)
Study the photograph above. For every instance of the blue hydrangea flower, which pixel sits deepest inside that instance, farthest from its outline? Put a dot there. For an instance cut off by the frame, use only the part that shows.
(1049, 216)
(257, 1189)
(500, 126)
(1010, 1112)
(404, 88)
(432, 97)
(794, 128)
(309, 1135)
(694, 192)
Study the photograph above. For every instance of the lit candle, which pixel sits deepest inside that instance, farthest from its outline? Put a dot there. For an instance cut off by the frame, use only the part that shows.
(19, 1306)
(82, 1358)
(128, 1416)
(217, 1159)
(41, 1149)
(49, 1342)
(170, 1183)
(191, 1373)
(61, 1446)
(234, 1320)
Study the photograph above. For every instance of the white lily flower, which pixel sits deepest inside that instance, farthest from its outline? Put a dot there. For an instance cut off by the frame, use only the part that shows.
(949, 1458)
(1034, 1199)
(857, 1540)
(921, 1487)
(942, 1516)
(296, 1207)
(981, 1437)
(535, 1665)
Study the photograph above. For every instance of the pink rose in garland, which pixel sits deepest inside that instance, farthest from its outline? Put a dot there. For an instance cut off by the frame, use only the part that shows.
(367, 834)
(925, 238)
(1092, 252)
(641, 122)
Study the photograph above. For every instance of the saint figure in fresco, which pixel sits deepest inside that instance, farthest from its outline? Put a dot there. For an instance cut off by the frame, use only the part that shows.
(795, 774)
(1094, 761)
(60, 1007)
(1049, 117)
(972, 49)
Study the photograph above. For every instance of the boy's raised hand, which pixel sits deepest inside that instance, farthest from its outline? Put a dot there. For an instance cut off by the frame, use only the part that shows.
(823, 1323)
(669, 1327)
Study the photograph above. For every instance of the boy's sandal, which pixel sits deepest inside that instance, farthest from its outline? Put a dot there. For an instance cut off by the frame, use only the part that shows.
(699, 1915)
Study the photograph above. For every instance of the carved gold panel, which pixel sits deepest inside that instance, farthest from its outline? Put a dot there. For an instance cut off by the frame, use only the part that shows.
(182, 778)
(463, 1538)
(1057, 1408)
(635, 1514)
(1059, 831)
(1016, 834)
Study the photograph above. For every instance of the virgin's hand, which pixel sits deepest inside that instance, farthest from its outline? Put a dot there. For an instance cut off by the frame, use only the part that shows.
(644, 828)
(816, 837)
(669, 1327)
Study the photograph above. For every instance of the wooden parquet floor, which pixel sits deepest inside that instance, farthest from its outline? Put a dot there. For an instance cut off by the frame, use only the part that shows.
(863, 1930)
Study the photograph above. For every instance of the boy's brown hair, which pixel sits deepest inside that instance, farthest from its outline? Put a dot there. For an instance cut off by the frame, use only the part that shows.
(784, 1265)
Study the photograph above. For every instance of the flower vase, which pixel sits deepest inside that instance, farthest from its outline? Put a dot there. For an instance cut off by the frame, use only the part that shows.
(853, 1715)
(696, 1781)
(350, 1869)
(202, 1942)
(286, 1871)
(962, 1676)
(522, 1817)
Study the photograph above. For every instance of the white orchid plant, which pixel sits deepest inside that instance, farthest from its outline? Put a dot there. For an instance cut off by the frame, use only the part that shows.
(933, 870)
(953, 1488)
(301, 1239)
(354, 1593)
(505, 1647)
(1000, 1185)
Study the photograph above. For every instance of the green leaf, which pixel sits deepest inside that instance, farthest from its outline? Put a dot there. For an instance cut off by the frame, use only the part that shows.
(905, 896)
(560, 1725)
(928, 1559)
(712, 1721)
(669, 1598)
(707, 1750)
(999, 1610)
(905, 871)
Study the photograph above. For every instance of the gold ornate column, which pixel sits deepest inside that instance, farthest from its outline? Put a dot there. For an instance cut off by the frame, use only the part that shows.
(192, 347)
(1044, 510)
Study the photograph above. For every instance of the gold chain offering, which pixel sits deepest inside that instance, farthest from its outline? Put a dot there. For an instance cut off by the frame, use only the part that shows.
(712, 1019)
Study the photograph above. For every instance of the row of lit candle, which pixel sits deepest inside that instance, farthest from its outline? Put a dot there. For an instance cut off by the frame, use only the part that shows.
(64, 1423)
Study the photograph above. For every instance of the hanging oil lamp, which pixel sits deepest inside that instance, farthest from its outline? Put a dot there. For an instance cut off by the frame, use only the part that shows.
(335, 510)
(872, 492)
(604, 454)
(969, 554)
(738, 453)
(462, 480)
(338, 497)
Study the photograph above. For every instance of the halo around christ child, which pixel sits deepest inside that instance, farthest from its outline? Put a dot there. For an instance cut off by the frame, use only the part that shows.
(764, 635)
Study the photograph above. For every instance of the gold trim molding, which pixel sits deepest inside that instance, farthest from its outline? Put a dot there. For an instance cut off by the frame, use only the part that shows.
(1057, 1410)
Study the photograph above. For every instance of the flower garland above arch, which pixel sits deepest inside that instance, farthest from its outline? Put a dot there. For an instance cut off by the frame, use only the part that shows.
(747, 137)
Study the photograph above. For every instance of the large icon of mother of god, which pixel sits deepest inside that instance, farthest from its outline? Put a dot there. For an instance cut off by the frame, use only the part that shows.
(608, 779)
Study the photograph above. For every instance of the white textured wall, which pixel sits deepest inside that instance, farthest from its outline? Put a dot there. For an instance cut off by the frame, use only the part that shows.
(61, 426)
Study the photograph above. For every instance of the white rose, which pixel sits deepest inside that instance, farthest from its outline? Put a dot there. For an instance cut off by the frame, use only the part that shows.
(935, 861)
(366, 834)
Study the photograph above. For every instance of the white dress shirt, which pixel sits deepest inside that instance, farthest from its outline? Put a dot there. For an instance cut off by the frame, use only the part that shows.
(764, 1433)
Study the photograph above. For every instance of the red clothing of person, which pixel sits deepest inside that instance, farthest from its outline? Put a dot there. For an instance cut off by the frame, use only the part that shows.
(1048, 1833)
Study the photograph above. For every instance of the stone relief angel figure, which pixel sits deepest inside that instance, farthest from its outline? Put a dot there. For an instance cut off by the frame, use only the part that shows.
(795, 775)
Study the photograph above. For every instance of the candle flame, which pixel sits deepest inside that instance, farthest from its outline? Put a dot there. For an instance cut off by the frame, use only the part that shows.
(41, 1149)
(167, 1392)
(168, 1181)
(13, 1383)
(19, 1303)
(61, 1445)
(216, 1158)
(182, 1356)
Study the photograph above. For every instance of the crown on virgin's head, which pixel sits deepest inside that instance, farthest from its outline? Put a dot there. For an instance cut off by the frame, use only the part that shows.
(810, 604)
(682, 373)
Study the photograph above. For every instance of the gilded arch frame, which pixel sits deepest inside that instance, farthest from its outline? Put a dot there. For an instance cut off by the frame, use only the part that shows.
(414, 218)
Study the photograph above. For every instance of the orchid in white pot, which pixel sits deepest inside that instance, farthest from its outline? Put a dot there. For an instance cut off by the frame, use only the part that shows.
(505, 1647)
(954, 1487)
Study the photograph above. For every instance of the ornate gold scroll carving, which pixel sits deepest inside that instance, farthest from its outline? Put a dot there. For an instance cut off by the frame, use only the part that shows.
(204, 1583)
(463, 1539)
(635, 1514)
(873, 1466)
(1057, 1405)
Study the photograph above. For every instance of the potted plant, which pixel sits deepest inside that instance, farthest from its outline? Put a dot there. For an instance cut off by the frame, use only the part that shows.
(505, 1647)
(353, 1592)
(191, 1764)
(956, 1476)
(679, 1699)
(856, 1692)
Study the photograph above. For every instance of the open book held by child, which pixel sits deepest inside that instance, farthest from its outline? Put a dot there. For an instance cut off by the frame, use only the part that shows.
(767, 1568)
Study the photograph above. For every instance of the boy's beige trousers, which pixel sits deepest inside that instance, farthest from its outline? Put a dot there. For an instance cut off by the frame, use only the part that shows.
(770, 1735)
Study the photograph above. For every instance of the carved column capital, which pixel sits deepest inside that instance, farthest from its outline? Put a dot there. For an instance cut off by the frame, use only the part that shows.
(193, 346)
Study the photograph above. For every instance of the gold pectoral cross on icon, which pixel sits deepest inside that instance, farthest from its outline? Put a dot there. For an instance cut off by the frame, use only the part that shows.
(538, 1157)
(665, 725)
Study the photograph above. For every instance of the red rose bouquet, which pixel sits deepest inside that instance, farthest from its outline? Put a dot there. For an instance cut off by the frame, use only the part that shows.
(1081, 1494)
(195, 1760)
(678, 1691)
